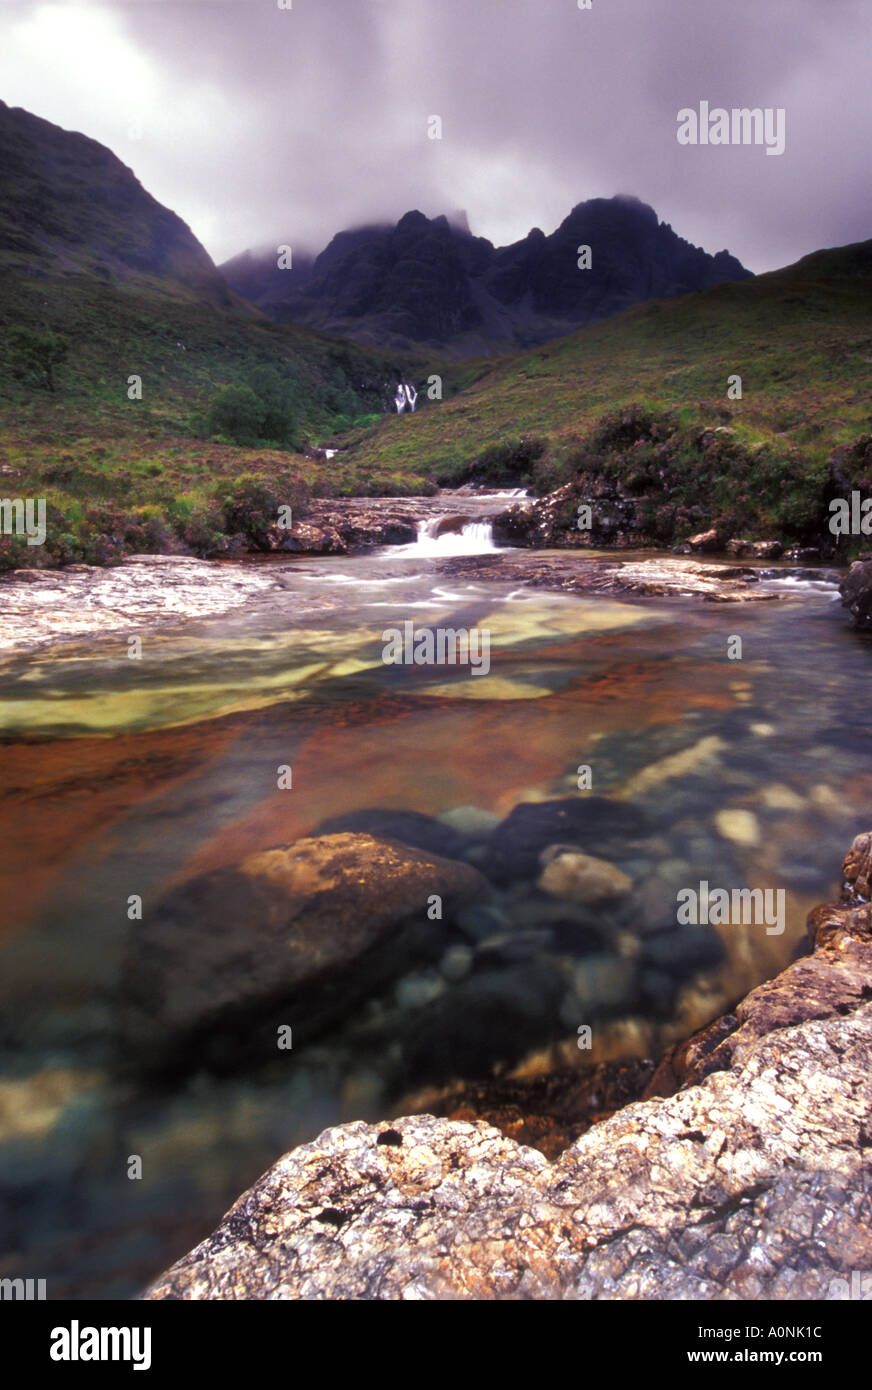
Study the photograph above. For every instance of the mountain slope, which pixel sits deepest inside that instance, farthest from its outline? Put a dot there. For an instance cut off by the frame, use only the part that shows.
(429, 284)
(121, 435)
(71, 207)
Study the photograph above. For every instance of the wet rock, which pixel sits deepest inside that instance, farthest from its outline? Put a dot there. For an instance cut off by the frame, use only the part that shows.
(738, 547)
(804, 554)
(415, 991)
(473, 821)
(492, 1018)
(456, 963)
(305, 537)
(294, 935)
(582, 878)
(856, 591)
(704, 541)
(588, 823)
(550, 1112)
(672, 576)
(739, 827)
(363, 523)
(766, 550)
(408, 827)
(521, 945)
(479, 921)
(857, 870)
(683, 951)
(144, 592)
(451, 525)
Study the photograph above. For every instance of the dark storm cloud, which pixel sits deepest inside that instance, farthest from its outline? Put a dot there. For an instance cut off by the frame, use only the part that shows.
(262, 124)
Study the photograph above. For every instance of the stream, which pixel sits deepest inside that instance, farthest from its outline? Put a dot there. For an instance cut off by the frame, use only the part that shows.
(129, 774)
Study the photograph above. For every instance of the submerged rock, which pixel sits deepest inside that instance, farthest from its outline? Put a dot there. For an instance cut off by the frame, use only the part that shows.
(408, 827)
(589, 823)
(754, 1135)
(582, 878)
(294, 935)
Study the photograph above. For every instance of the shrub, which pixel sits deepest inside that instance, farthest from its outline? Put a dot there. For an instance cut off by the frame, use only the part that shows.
(250, 505)
(35, 356)
(237, 413)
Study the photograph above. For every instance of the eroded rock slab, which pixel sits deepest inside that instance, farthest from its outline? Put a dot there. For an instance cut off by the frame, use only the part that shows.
(141, 593)
(754, 1180)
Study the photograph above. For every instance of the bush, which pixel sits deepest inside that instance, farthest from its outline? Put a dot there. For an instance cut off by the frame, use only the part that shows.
(258, 410)
(509, 464)
(237, 413)
(35, 356)
(250, 506)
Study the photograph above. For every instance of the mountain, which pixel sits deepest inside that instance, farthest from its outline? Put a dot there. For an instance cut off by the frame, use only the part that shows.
(70, 207)
(429, 285)
(139, 395)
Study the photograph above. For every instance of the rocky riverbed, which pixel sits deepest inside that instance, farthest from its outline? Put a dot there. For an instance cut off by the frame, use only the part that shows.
(307, 907)
(744, 1173)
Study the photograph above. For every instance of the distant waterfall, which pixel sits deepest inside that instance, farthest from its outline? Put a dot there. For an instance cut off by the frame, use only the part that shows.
(406, 396)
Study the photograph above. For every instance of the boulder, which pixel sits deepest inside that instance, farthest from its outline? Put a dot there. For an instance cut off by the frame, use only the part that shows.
(766, 550)
(409, 827)
(753, 1138)
(856, 591)
(704, 541)
(305, 537)
(450, 525)
(294, 935)
(738, 547)
(588, 823)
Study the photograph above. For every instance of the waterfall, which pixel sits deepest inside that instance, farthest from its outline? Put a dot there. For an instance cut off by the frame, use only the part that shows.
(473, 538)
(406, 396)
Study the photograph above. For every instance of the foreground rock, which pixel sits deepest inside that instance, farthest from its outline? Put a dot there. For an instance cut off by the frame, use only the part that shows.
(294, 935)
(753, 1181)
(856, 591)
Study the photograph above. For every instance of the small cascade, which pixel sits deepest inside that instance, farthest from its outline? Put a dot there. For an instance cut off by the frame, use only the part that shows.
(434, 539)
(406, 395)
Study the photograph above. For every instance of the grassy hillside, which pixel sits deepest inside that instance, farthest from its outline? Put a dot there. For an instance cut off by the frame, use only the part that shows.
(121, 474)
(800, 338)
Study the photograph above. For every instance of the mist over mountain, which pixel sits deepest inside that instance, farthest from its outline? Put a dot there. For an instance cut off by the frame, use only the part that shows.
(428, 283)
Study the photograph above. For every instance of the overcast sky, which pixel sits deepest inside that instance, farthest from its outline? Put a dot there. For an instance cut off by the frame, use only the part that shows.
(260, 124)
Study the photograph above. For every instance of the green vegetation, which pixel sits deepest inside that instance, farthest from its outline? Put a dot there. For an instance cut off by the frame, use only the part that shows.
(225, 394)
(640, 398)
(35, 356)
(801, 340)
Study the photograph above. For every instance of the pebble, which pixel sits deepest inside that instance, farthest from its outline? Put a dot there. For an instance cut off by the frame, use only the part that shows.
(456, 963)
(414, 991)
(478, 922)
(582, 878)
(778, 797)
(470, 820)
(740, 827)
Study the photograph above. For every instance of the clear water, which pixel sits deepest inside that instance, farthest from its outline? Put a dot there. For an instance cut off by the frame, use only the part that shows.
(121, 777)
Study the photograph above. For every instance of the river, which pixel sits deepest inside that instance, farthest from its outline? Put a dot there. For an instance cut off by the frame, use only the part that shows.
(127, 773)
